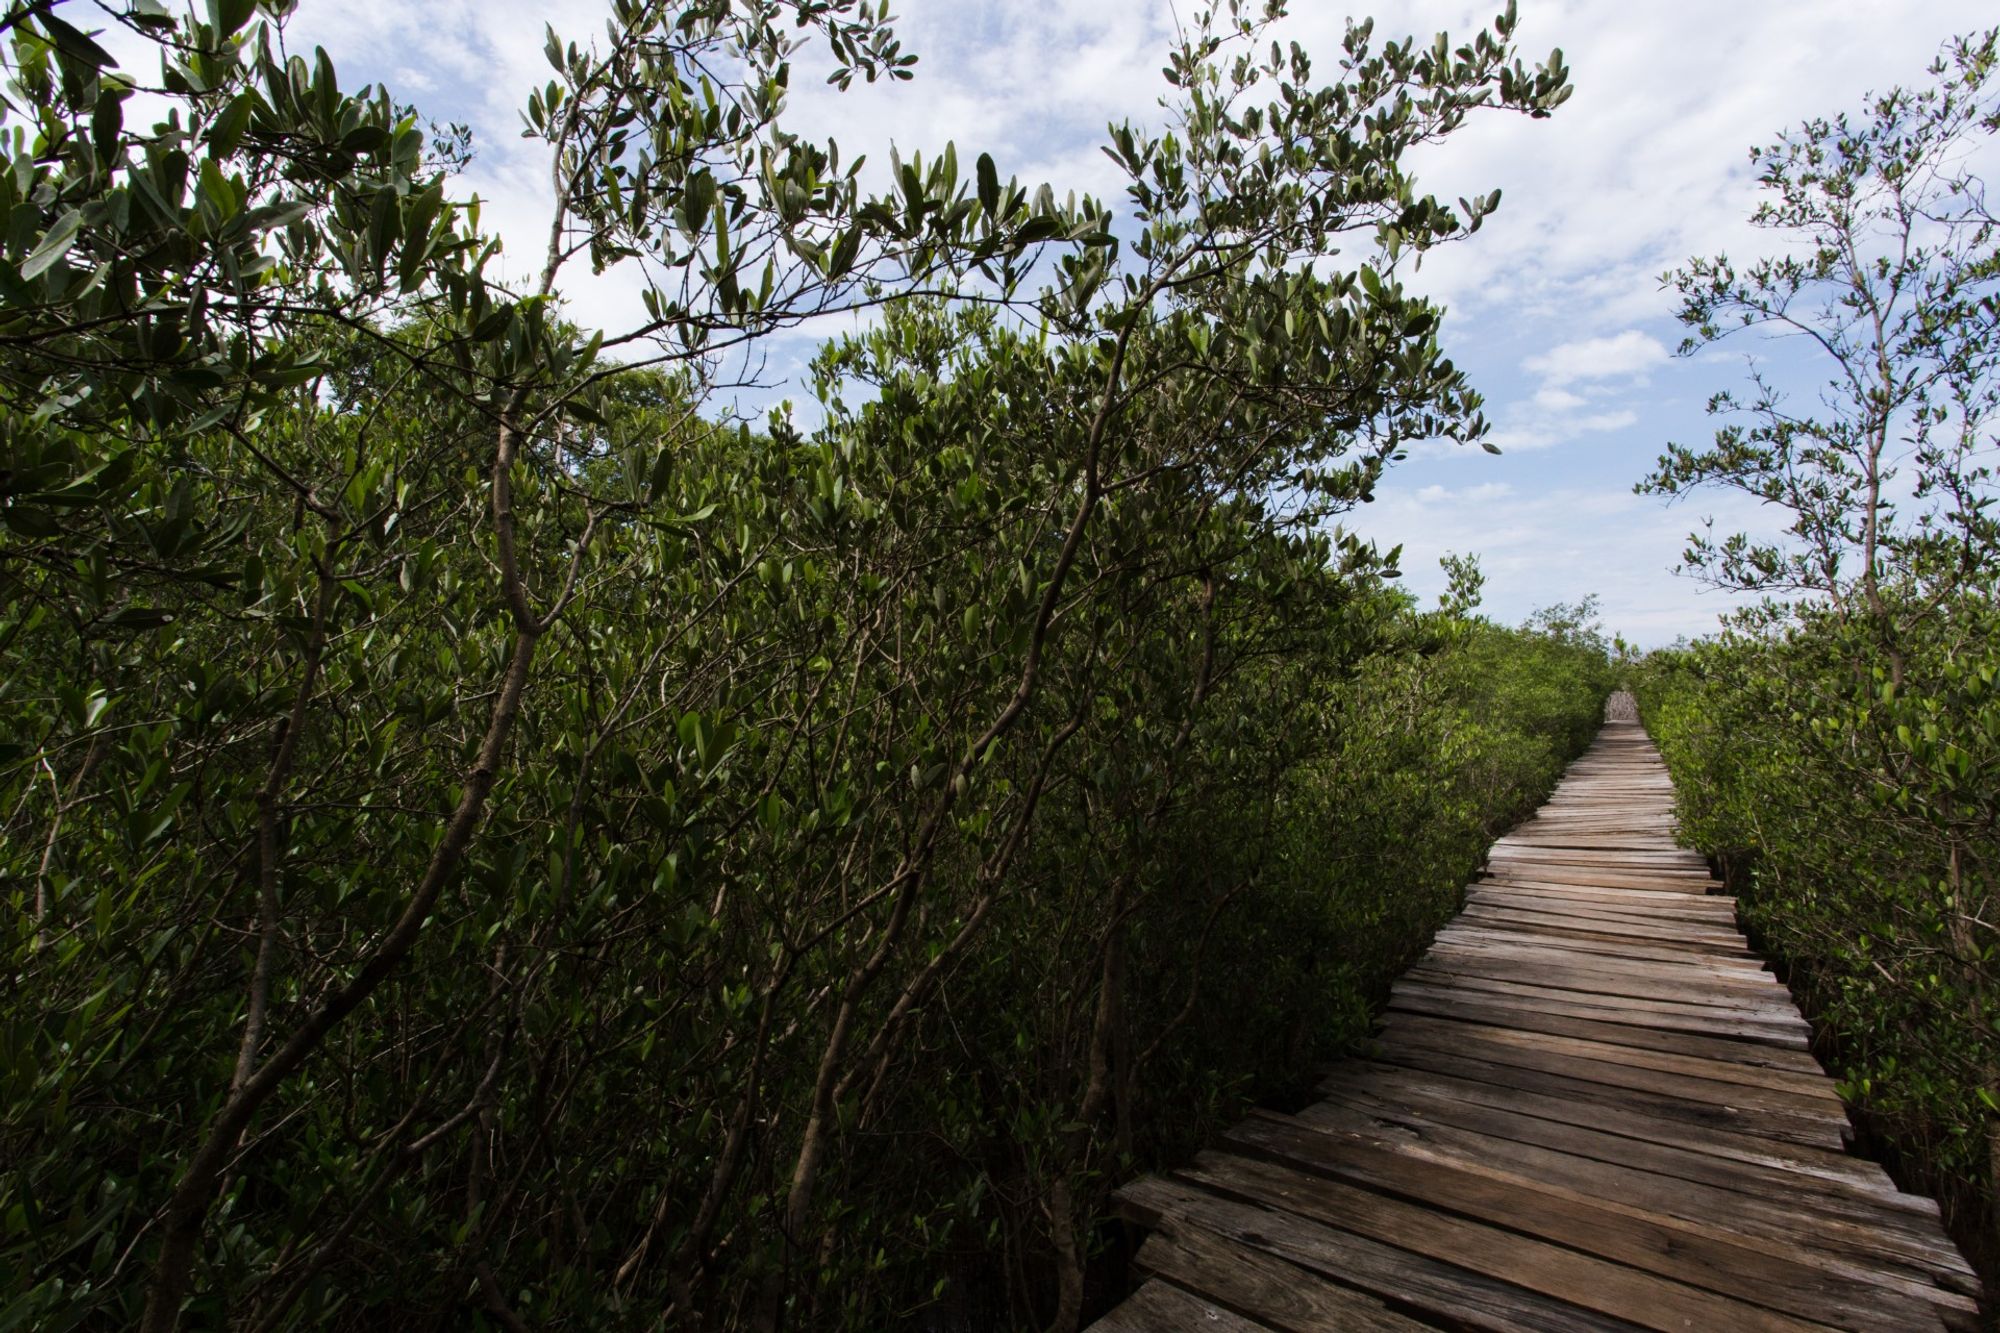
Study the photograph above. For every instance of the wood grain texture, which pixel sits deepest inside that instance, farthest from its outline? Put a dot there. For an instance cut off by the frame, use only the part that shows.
(1590, 1105)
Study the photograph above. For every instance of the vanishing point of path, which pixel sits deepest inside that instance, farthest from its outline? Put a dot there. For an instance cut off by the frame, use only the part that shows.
(1590, 1107)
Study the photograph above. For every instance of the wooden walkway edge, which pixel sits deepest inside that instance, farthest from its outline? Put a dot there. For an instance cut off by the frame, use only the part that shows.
(1590, 1107)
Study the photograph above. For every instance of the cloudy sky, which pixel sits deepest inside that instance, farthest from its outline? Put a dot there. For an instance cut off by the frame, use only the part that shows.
(1555, 306)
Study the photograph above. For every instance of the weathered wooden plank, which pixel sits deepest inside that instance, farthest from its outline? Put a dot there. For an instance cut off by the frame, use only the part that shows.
(1411, 1106)
(1779, 1026)
(1574, 974)
(1504, 930)
(1625, 1119)
(1630, 821)
(1543, 873)
(1677, 862)
(1478, 1006)
(1720, 905)
(1576, 1279)
(1601, 911)
(1279, 1294)
(1646, 1016)
(1585, 1084)
(1791, 1088)
(1899, 1248)
(1497, 928)
(1656, 920)
(1692, 972)
(1650, 907)
(1780, 1274)
(1647, 916)
(1607, 1063)
(1433, 1288)
(1672, 860)
(1482, 935)
(1161, 1307)
(1621, 909)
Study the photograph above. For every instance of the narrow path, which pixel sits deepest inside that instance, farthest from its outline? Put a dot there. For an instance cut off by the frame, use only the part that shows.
(1590, 1107)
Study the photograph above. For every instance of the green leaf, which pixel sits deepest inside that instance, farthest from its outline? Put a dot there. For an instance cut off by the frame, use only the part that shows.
(365, 139)
(73, 43)
(107, 121)
(231, 15)
(141, 617)
(36, 523)
(697, 202)
(55, 243)
(494, 324)
(844, 252)
(273, 216)
(217, 190)
(989, 184)
(227, 132)
(1037, 230)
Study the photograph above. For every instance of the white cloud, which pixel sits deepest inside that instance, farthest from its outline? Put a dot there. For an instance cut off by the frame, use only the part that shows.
(1626, 355)
(1492, 490)
(1534, 427)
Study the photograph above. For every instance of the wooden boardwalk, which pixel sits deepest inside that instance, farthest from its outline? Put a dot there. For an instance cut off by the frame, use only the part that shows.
(1591, 1107)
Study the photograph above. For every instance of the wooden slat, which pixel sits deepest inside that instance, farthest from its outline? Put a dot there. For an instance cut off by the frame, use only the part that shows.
(1782, 1088)
(1613, 946)
(1776, 1273)
(1637, 921)
(1239, 1278)
(1887, 1245)
(1711, 1017)
(1589, 1106)
(1801, 1160)
(1483, 1008)
(1575, 972)
(1580, 1280)
(1429, 1109)
(1159, 1305)
(1600, 878)
(1689, 905)
(1585, 1083)
(1433, 1290)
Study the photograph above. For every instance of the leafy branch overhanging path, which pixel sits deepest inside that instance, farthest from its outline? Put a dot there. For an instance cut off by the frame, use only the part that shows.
(1590, 1107)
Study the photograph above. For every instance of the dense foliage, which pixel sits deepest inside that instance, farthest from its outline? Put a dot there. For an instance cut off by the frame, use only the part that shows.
(1840, 747)
(1858, 818)
(487, 841)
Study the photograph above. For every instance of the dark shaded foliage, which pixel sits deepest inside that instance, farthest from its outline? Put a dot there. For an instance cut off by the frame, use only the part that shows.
(487, 843)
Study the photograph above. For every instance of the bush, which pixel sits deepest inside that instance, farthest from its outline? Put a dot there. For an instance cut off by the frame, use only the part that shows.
(1857, 817)
(1311, 853)
(487, 843)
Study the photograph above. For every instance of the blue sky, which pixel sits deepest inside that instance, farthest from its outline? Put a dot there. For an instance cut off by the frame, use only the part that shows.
(1555, 307)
